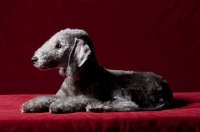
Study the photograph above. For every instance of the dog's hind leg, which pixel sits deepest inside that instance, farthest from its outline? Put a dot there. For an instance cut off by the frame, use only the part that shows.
(115, 106)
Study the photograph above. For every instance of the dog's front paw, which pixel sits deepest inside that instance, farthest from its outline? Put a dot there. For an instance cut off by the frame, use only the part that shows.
(56, 107)
(97, 108)
(38, 104)
(60, 107)
(31, 107)
(63, 106)
(27, 107)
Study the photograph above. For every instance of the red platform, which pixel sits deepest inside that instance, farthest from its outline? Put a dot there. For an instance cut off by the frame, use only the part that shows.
(184, 117)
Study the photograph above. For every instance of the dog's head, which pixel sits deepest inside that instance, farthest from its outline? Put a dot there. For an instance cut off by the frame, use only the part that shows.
(67, 47)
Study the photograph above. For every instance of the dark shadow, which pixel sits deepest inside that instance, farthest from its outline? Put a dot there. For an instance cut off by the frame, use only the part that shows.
(178, 103)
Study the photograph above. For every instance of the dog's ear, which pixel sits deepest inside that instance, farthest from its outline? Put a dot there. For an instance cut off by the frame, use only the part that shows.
(79, 54)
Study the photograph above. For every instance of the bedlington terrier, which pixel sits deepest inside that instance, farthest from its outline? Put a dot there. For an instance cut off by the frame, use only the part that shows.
(90, 87)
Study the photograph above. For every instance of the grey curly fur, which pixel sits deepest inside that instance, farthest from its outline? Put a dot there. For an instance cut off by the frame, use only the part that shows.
(91, 87)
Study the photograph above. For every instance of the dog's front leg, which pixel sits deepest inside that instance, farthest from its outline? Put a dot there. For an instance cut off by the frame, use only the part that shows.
(38, 104)
(70, 104)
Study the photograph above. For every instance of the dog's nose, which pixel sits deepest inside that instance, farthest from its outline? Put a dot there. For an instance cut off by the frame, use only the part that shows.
(34, 59)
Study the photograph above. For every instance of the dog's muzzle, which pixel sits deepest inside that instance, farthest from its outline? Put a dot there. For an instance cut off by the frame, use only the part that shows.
(44, 65)
(34, 59)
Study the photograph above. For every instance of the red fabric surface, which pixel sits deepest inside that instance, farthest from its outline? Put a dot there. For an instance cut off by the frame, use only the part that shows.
(158, 36)
(184, 117)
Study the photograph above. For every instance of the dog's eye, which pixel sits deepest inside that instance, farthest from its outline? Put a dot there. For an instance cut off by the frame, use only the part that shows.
(58, 46)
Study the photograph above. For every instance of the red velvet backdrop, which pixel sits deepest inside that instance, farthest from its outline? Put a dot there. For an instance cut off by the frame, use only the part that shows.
(158, 36)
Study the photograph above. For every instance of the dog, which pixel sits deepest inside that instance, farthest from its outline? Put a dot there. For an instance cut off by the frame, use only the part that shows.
(89, 87)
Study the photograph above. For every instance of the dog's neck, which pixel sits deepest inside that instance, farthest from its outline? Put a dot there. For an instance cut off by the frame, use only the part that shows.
(87, 73)
(88, 70)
